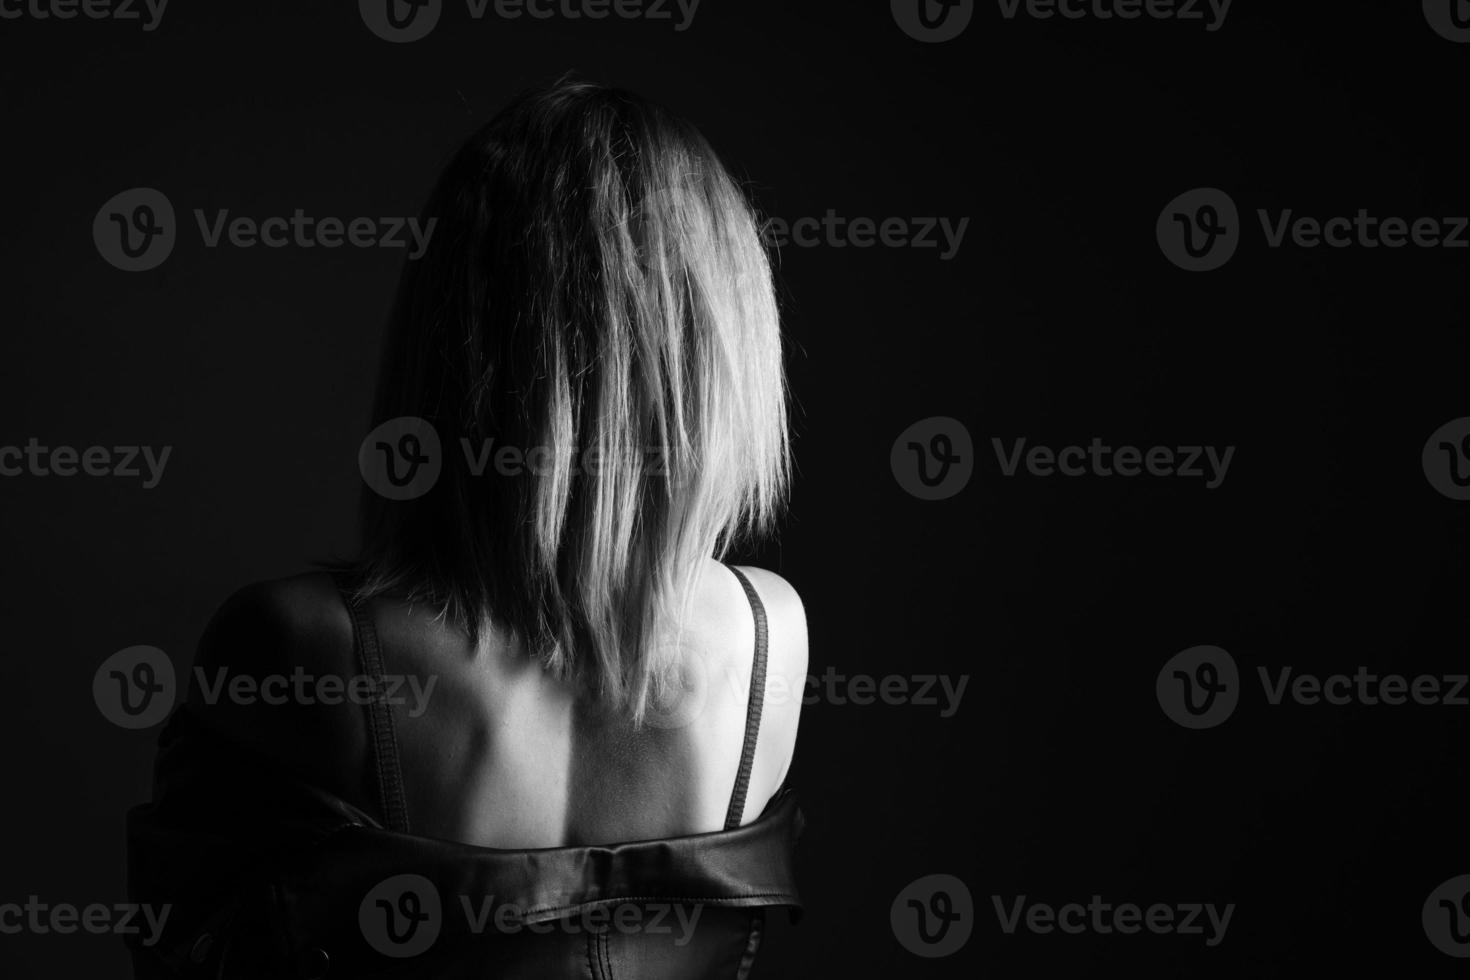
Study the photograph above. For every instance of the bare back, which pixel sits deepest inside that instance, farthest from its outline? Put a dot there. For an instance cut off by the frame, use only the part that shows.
(494, 751)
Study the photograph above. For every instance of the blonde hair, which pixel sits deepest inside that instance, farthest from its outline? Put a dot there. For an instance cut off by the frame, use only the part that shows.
(596, 288)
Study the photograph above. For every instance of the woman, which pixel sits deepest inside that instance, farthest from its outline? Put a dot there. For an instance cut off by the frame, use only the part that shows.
(535, 729)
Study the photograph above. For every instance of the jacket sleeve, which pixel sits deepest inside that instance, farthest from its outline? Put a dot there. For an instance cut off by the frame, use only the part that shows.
(207, 849)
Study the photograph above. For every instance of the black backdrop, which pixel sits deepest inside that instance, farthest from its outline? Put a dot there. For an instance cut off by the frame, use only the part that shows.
(1326, 547)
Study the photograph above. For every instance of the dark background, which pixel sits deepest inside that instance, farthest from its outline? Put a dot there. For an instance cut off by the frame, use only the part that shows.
(1060, 320)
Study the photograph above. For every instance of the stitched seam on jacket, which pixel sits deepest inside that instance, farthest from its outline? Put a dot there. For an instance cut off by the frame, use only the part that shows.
(606, 946)
(591, 970)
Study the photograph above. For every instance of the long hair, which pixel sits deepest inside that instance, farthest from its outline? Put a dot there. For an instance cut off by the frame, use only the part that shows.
(596, 298)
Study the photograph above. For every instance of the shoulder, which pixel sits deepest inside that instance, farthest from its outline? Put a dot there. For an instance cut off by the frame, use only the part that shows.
(786, 675)
(263, 663)
(262, 622)
(727, 612)
(785, 612)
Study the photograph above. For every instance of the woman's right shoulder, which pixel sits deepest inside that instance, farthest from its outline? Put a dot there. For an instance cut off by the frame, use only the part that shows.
(270, 671)
(299, 620)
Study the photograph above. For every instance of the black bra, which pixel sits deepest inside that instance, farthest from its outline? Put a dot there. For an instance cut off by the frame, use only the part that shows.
(271, 877)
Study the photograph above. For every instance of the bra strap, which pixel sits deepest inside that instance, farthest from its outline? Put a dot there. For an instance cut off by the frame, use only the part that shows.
(753, 709)
(382, 739)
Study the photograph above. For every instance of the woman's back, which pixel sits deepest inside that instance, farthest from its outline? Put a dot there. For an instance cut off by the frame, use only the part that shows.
(476, 818)
(493, 750)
